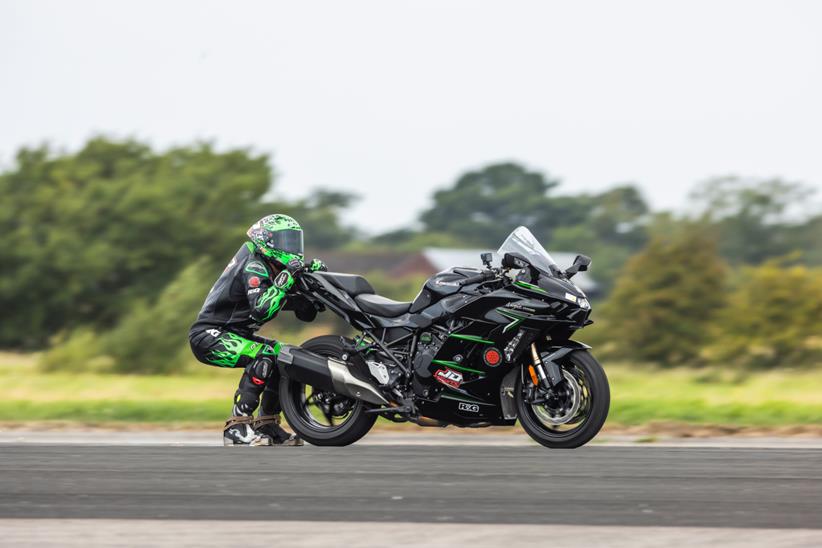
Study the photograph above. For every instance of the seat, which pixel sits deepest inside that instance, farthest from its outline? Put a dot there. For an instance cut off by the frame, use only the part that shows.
(381, 306)
(350, 283)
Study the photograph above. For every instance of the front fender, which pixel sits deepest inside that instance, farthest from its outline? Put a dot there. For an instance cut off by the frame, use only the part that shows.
(507, 386)
(559, 350)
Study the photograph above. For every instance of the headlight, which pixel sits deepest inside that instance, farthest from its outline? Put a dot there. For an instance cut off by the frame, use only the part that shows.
(584, 304)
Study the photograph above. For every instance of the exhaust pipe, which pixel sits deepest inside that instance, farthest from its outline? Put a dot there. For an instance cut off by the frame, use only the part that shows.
(326, 374)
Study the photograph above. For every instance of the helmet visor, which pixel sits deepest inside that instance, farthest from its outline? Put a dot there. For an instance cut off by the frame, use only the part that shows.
(290, 241)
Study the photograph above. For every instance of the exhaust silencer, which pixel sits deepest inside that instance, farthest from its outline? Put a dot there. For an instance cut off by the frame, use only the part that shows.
(326, 374)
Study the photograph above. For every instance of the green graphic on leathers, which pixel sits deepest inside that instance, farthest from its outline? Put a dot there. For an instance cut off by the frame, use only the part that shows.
(235, 347)
(271, 301)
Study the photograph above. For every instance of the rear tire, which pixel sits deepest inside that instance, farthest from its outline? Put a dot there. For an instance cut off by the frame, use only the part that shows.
(292, 394)
(580, 362)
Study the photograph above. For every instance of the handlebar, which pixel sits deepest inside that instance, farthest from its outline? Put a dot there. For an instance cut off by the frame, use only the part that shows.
(487, 275)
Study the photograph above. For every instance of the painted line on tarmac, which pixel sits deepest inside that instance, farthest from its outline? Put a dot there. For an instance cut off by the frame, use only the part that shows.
(440, 438)
(321, 534)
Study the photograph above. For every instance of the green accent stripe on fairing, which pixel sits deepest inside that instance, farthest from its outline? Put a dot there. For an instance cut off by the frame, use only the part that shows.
(455, 365)
(532, 287)
(472, 338)
(516, 319)
(466, 400)
(510, 315)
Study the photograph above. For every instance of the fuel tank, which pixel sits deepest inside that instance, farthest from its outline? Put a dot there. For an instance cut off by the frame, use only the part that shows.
(441, 285)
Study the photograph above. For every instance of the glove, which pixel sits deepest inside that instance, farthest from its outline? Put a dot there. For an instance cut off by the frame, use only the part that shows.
(316, 265)
(294, 266)
(285, 279)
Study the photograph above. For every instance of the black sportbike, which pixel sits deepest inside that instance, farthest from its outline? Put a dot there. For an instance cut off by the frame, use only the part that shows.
(476, 347)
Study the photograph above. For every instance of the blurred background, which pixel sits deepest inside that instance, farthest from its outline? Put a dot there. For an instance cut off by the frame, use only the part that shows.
(675, 144)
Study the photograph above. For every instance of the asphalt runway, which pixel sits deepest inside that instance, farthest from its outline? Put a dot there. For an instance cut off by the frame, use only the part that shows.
(605, 486)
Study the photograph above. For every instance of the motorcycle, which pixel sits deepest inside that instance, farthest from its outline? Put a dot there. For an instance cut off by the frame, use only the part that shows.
(475, 348)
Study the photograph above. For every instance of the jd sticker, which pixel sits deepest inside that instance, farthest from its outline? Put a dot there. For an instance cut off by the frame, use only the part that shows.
(449, 377)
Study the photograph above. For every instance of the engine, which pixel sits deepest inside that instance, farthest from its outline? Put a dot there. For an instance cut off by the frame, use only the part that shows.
(427, 347)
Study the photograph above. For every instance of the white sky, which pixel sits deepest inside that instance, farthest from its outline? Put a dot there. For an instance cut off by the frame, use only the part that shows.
(394, 99)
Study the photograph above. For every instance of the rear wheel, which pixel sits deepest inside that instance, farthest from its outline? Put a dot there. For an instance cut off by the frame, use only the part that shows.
(321, 417)
(572, 413)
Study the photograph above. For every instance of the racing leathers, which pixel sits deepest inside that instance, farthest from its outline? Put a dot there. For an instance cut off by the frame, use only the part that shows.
(250, 292)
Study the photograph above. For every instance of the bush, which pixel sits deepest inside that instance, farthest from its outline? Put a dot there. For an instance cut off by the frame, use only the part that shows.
(773, 318)
(665, 298)
(78, 351)
(152, 338)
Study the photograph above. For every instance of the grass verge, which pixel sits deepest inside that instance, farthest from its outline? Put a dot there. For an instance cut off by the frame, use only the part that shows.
(638, 396)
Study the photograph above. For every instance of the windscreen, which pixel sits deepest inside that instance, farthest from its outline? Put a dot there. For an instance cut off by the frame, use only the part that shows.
(522, 242)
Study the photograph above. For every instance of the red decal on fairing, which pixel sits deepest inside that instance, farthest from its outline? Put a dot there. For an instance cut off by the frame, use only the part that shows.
(254, 281)
(492, 357)
(257, 381)
(449, 377)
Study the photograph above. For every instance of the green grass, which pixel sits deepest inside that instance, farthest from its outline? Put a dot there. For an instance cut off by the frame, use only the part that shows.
(95, 411)
(639, 395)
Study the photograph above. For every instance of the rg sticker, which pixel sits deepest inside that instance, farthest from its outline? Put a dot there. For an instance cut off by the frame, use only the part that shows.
(470, 407)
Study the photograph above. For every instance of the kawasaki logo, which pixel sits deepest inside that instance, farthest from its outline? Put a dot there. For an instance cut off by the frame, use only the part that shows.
(518, 306)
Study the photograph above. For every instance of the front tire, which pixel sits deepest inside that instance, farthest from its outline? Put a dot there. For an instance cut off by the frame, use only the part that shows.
(308, 417)
(574, 421)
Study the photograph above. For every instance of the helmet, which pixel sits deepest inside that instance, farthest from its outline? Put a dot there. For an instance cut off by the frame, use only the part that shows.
(278, 237)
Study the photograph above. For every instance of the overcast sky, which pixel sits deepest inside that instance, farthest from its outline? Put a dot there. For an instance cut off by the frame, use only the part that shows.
(394, 99)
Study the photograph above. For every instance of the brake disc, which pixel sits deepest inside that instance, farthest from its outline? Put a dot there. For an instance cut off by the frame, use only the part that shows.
(569, 407)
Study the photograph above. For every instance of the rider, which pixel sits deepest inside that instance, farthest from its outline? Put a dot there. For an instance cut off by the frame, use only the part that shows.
(251, 290)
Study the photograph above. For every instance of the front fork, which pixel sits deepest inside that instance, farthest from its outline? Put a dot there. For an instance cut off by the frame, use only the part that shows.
(546, 373)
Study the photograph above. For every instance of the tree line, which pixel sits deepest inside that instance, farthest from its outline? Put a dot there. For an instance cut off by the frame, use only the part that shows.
(107, 252)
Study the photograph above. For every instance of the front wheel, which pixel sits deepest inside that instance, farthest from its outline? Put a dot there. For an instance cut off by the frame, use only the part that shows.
(321, 417)
(573, 412)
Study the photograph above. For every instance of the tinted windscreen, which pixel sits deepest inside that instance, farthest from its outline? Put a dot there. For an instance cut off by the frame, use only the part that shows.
(523, 243)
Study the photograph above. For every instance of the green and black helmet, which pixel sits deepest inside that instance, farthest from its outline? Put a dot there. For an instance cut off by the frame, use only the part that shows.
(278, 237)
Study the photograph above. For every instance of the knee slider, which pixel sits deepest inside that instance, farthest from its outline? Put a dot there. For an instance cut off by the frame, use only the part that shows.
(260, 370)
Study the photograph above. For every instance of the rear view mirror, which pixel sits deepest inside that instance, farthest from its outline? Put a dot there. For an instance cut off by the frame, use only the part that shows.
(486, 259)
(581, 264)
(512, 261)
